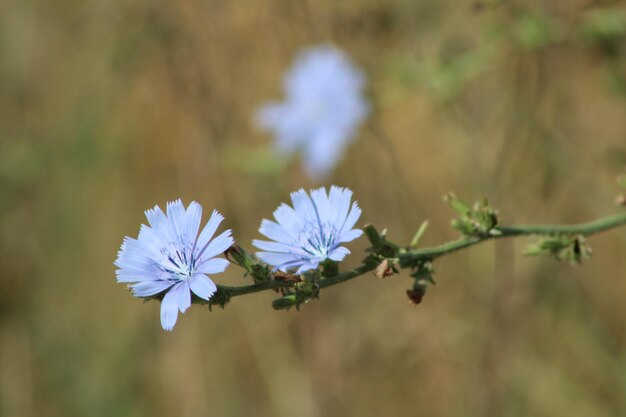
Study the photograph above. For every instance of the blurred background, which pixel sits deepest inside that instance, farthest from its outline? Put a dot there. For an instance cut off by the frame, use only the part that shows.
(108, 108)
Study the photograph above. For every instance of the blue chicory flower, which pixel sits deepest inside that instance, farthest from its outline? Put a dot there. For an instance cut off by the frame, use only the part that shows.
(169, 255)
(323, 108)
(311, 231)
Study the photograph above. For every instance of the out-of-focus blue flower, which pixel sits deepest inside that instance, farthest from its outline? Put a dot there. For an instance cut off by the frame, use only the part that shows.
(311, 231)
(323, 108)
(169, 255)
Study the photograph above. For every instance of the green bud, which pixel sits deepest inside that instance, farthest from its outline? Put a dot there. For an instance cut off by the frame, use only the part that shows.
(562, 247)
(464, 226)
(285, 302)
(380, 245)
(261, 272)
(330, 268)
(240, 257)
(478, 220)
(422, 279)
(458, 205)
(220, 298)
(302, 292)
(307, 289)
(423, 273)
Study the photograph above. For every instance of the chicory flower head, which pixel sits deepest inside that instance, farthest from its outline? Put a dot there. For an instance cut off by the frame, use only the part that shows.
(323, 108)
(170, 256)
(310, 232)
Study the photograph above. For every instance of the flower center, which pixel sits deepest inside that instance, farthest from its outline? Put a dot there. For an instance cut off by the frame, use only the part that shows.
(179, 258)
(317, 239)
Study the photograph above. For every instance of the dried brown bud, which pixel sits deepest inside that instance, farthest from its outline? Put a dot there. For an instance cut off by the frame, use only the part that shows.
(285, 277)
(620, 200)
(416, 295)
(233, 250)
(383, 270)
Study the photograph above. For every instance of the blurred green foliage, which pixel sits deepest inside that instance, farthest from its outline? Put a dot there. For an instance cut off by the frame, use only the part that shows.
(109, 107)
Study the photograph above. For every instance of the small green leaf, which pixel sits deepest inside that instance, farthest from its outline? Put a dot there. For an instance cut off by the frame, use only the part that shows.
(458, 205)
(420, 232)
(374, 237)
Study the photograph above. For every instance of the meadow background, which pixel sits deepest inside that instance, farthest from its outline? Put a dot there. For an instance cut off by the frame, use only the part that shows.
(110, 107)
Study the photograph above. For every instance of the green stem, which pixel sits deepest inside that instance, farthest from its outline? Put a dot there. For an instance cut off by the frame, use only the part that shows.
(586, 229)
(410, 258)
(275, 285)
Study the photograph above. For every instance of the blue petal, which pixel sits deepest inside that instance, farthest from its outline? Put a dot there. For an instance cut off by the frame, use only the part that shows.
(160, 224)
(193, 217)
(322, 204)
(217, 246)
(209, 230)
(276, 247)
(170, 306)
(212, 266)
(276, 259)
(339, 253)
(350, 236)
(135, 248)
(307, 267)
(176, 219)
(352, 218)
(303, 206)
(126, 275)
(287, 217)
(184, 293)
(150, 242)
(340, 202)
(155, 217)
(134, 256)
(148, 288)
(202, 286)
(276, 232)
(290, 266)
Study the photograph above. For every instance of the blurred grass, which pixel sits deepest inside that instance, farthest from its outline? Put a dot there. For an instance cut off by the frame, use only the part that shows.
(107, 108)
